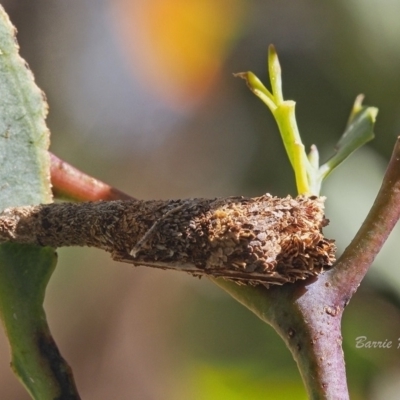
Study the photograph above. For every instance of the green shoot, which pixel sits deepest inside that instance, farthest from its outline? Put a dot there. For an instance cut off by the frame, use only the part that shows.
(308, 174)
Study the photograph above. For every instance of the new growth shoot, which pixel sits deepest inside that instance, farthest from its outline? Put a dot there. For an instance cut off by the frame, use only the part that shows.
(308, 173)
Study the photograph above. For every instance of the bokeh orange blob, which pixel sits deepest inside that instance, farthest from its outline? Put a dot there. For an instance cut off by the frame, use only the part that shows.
(176, 47)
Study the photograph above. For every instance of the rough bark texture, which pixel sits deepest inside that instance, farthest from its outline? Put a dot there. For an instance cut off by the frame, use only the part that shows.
(265, 240)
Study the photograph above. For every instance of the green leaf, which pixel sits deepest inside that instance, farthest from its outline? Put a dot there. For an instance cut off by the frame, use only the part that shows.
(24, 273)
(24, 137)
(26, 270)
(359, 131)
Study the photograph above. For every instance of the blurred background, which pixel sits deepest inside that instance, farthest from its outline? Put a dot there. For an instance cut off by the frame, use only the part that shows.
(142, 96)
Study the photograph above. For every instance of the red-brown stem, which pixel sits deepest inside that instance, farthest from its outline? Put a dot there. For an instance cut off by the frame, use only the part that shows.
(70, 183)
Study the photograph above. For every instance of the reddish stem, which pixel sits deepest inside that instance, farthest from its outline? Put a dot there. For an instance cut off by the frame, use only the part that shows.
(70, 183)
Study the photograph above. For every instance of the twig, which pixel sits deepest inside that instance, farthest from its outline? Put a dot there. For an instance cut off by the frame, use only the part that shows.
(71, 184)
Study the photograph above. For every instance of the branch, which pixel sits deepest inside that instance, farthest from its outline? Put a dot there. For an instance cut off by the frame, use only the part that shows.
(307, 314)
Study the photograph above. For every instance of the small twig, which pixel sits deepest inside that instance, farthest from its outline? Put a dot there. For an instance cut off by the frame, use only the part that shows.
(71, 184)
(260, 240)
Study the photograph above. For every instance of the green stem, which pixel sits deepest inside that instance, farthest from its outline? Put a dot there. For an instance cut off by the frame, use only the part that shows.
(35, 357)
(285, 117)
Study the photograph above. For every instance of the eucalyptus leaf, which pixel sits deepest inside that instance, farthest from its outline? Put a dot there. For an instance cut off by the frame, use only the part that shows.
(24, 137)
(26, 270)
